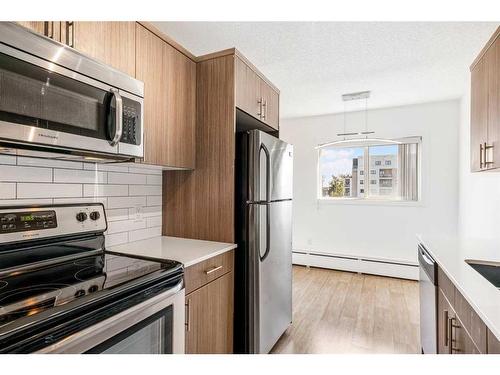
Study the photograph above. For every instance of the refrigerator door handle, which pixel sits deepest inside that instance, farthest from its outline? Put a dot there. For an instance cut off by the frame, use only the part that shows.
(268, 170)
(268, 233)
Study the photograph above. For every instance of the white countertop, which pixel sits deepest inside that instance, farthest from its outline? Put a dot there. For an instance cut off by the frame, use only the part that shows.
(184, 250)
(450, 253)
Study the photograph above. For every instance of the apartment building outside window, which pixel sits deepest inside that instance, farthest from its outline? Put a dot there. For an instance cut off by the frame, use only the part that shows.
(394, 171)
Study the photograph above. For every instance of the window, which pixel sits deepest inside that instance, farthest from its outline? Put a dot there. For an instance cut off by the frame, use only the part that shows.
(341, 171)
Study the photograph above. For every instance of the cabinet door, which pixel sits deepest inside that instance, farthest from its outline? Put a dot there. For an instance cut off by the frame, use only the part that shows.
(51, 29)
(271, 104)
(248, 85)
(479, 114)
(493, 344)
(113, 43)
(209, 320)
(444, 314)
(461, 341)
(492, 60)
(169, 101)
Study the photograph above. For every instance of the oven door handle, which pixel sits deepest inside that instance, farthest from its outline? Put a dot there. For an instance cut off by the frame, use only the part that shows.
(118, 117)
(92, 336)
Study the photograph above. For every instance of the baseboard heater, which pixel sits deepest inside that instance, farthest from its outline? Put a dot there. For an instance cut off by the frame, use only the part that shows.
(383, 267)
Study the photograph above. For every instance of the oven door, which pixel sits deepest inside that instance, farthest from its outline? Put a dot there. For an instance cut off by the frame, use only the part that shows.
(49, 107)
(154, 326)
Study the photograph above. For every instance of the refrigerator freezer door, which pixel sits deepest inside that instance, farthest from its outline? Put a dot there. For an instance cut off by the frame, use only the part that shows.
(271, 229)
(270, 168)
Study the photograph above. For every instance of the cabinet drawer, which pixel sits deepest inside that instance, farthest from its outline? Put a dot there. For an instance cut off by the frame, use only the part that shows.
(199, 274)
(446, 286)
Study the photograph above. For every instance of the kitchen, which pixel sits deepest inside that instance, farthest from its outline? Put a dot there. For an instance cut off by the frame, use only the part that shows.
(161, 194)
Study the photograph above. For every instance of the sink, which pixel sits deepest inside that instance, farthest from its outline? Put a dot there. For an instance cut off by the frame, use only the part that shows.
(489, 270)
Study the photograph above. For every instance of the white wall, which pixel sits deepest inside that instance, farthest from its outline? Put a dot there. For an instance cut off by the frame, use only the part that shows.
(368, 230)
(131, 194)
(479, 193)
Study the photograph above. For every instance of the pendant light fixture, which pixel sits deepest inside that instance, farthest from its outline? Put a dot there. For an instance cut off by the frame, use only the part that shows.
(363, 138)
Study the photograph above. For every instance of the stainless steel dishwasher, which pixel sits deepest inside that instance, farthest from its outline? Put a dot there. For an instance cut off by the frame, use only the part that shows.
(428, 301)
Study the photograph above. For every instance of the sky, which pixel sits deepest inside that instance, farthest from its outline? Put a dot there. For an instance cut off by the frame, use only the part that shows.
(335, 161)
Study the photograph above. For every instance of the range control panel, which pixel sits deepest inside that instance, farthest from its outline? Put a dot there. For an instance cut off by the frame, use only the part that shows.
(11, 222)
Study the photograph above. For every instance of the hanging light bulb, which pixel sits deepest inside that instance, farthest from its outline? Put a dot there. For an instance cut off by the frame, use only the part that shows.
(364, 140)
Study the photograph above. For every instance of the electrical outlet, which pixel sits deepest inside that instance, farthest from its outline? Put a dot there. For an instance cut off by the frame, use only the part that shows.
(138, 215)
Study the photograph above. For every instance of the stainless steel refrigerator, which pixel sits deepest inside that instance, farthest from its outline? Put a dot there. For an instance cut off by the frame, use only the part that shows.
(263, 289)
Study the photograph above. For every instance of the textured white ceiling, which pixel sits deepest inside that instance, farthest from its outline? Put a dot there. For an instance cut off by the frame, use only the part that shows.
(313, 63)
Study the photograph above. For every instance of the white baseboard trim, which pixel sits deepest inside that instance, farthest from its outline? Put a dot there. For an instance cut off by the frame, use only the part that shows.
(371, 266)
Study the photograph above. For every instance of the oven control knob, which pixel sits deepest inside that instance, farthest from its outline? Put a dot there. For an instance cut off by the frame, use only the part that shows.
(81, 216)
(79, 293)
(95, 215)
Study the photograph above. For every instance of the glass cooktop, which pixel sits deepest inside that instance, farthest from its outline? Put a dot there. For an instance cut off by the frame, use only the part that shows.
(30, 292)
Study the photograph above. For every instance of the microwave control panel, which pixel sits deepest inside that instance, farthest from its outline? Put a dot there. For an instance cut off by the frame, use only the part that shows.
(131, 123)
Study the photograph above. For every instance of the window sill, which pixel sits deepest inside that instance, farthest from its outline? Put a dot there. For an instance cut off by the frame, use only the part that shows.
(369, 202)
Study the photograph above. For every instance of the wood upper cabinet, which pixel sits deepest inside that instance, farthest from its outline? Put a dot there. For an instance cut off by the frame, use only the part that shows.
(209, 306)
(169, 101)
(51, 29)
(113, 43)
(254, 95)
(248, 89)
(485, 112)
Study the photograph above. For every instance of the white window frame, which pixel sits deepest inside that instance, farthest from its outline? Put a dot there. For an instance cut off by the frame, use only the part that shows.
(374, 200)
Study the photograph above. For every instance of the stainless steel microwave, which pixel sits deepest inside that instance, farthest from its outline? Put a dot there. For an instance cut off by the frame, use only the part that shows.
(53, 98)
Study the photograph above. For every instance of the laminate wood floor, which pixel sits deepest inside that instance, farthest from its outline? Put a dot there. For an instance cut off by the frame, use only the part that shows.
(343, 312)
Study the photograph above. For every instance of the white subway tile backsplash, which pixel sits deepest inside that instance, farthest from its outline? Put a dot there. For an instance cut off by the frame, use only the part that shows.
(117, 214)
(25, 174)
(79, 176)
(147, 211)
(145, 169)
(130, 193)
(7, 159)
(153, 179)
(7, 190)
(125, 225)
(102, 200)
(154, 200)
(116, 239)
(145, 190)
(142, 234)
(98, 190)
(49, 163)
(126, 202)
(24, 202)
(31, 190)
(154, 221)
(126, 178)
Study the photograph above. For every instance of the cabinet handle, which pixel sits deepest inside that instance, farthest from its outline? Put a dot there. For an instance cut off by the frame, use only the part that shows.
(264, 110)
(49, 29)
(70, 41)
(480, 156)
(260, 101)
(208, 272)
(188, 313)
(453, 340)
(485, 148)
(446, 326)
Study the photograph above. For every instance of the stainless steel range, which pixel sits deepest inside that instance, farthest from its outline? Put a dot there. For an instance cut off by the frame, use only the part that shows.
(61, 292)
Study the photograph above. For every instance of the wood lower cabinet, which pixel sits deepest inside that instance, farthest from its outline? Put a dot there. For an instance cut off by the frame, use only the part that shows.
(169, 101)
(493, 344)
(210, 306)
(485, 110)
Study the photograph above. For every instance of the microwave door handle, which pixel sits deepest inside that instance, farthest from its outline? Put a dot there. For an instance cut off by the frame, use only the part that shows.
(118, 117)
